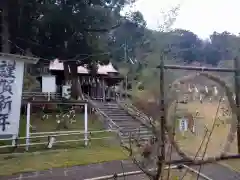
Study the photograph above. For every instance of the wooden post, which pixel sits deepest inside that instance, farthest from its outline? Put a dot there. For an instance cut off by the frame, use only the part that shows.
(28, 126)
(162, 116)
(237, 99)
(103, 89)
(126, 84)
(85, 125)
(97, 88)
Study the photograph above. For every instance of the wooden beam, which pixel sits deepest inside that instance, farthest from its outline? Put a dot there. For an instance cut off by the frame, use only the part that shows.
(193, 68)
(67, 102)
(237, 100)
(162, 119)
(26, 59)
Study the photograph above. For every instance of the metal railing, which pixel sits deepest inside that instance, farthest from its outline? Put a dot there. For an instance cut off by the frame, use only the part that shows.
(42, 95)
(135, 112)
(122, 135)
(112, 124)
(48, 135)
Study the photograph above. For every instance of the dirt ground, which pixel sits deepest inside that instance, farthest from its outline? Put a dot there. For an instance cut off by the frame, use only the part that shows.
(207, 113)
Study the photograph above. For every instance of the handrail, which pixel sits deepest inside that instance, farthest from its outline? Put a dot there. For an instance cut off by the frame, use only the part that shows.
(57, 134)
(50, 95)
(40, 93)
(136, 113)
(117, 128)
(101, 112)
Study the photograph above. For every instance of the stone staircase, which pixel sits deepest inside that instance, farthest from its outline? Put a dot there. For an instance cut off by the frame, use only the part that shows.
(119, 119)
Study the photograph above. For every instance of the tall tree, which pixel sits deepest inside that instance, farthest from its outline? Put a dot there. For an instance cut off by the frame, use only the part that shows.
(226, 43)
(186, 45)
(65, 29)
(5, 26)
(128, 39)
(73, 25)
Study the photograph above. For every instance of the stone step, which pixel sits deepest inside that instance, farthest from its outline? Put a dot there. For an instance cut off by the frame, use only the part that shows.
(126, 122)
(130, 125)
(133, 129)
(144, 132)
(120, 116)
(136, 136)
(126, 133)
(116, 113)
(123, 119)
(111, 109)
(136, 126)
(136, 132)
(125, 139)
(115, 110)
(108, 106)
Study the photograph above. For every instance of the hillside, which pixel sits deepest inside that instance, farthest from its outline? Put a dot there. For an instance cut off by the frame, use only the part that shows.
(147, 83)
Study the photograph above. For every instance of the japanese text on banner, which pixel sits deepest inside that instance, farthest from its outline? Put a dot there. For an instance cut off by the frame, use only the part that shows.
(7, 78)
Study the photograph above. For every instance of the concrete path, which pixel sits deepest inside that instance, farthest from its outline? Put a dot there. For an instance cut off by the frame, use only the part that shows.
(213, 171)
(77, 172)
(218, 172)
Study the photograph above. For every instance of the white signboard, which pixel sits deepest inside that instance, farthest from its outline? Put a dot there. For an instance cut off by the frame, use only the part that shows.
(11, 80)
(183, 124)
(66, 91)
(48, 84)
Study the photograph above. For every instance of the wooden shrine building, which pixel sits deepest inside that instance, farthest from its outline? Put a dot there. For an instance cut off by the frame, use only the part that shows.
(101, 86)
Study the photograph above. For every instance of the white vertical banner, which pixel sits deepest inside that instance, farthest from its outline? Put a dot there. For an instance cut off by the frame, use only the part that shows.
(183, 124)
(11, 81)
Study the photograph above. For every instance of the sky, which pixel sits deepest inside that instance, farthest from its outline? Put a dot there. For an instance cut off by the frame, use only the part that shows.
(202, 17)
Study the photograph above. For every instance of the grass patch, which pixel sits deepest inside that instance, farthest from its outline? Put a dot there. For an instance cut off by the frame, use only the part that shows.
(59, 158)
(62, 154)
(51, 125)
